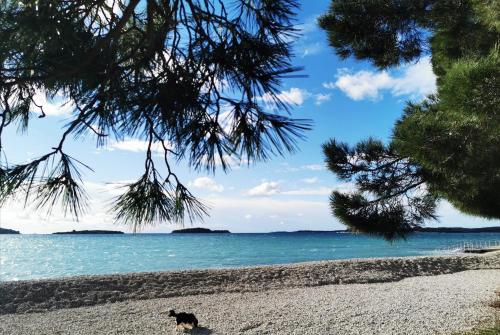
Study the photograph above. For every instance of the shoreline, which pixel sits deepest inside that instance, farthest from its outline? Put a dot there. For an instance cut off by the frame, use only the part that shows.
(243, 267)
(473, 253)
(41, 295)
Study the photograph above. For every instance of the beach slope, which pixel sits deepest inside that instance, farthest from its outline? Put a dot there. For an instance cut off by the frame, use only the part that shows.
(408, 295)
(442, 304)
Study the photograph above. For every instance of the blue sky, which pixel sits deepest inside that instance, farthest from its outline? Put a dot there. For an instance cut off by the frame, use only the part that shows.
(348, 100)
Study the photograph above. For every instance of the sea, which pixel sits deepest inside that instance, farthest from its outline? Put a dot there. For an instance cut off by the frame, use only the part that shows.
(24, 257)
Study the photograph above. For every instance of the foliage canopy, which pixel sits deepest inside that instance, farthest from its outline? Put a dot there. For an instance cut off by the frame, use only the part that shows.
(188, 75)
(445, 147)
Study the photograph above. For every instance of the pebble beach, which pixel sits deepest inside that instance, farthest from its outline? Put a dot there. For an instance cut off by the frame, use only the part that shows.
(413, 295)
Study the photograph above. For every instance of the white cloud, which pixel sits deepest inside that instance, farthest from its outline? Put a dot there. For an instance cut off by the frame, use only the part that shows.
(29, 220)
(114, 5)
(232, 162)
(322, 190)
(57, 106)
(113, 189)
(248, 216)
(207, 183)
(310, 167)
(311, 191)
(314, 167)
(268, 213)
(294, 96)
(320, 98)
(311, 41)
(415, 80)
(345, 187)
(310, 25)
(362, 84)
(418, 80)
(274, 188)
(267, 188)
(135, 145)
(311, 180)
(311, 49)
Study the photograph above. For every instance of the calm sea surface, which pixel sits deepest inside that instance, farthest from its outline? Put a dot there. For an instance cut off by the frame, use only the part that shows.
(48, 256)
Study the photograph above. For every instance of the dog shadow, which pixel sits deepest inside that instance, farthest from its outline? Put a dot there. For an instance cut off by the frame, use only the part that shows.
(201, 331)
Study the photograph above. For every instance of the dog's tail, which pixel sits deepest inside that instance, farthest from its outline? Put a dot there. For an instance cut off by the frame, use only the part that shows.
(172, 313)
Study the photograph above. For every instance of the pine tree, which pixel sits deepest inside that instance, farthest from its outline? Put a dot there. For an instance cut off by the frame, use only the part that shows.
(185, 75)
(445, 147)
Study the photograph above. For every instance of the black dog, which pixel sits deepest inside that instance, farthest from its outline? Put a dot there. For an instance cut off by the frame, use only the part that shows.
(184, 320)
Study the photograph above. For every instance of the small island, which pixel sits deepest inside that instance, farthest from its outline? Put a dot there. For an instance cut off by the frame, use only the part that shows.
(8, 231)
(88, 232)
(199, 231)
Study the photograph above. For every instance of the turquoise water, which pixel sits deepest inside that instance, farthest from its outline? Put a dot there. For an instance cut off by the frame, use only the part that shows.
(48, 256)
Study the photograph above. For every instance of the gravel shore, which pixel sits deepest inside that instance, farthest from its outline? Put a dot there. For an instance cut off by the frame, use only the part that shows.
(442, 304)
(44, 295)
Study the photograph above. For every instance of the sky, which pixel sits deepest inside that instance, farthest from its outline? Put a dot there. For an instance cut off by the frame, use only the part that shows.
(347, 99)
